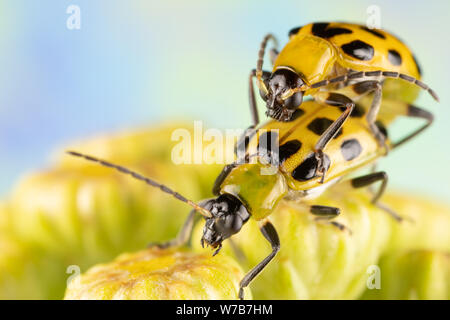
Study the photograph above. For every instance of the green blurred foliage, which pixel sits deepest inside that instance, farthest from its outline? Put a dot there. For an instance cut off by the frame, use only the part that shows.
(419, 274)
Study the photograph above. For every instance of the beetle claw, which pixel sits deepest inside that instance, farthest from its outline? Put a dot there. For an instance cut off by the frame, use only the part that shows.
(320, 170)
(218, 249)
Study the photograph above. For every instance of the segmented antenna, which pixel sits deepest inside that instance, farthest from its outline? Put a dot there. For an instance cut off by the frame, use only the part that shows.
(262, 50)
(150, 182)
(378, 73)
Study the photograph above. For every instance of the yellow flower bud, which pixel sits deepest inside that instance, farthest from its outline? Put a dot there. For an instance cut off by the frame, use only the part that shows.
(155, 274)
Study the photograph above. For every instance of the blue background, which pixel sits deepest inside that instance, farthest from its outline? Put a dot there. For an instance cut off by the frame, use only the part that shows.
(138, 63)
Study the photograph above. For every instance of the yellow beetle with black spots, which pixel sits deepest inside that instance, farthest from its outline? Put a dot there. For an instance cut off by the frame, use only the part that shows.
(276, 162)
(349, 60)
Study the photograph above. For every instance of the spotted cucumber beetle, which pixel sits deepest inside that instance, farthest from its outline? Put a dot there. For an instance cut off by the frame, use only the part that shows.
(242, 192)
(350, 60)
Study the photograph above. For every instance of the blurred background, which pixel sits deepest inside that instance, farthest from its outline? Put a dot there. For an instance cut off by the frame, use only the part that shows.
(137, 63)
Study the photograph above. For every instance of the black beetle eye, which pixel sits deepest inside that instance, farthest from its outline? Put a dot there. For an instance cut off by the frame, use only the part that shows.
(294, 101)
(263, 95)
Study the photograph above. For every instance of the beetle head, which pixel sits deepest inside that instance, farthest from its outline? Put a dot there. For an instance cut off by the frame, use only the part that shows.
(282, 93)
(229, 215)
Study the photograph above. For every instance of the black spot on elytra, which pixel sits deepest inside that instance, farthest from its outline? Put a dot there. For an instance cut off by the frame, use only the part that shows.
(394, 57)
(359, 50)
(374, 32)
(294, 31)
(357, 112)
(320, 30)
(242, 144)
(288, 149)
(307, 169)
(319, 125)
(382, 128)
(268, 145)
(351, 149)
(335, 32)
(268, 140)
(417, 65)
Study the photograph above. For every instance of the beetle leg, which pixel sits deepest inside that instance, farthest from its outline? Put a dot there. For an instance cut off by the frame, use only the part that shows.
(273, 53)
(240, 152)
(269, 232)
(325, 213)
(241, 144)
(335, 100)
(221, 177)
(260, 75)
(252, 98)
(392, 108)
(368, 180)
(372, 113)
(226, 171)
(182, 237)
(414, 112)
(360, 89)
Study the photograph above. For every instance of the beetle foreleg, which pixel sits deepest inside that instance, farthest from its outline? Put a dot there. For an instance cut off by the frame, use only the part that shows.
(335, 100)
(269, 232)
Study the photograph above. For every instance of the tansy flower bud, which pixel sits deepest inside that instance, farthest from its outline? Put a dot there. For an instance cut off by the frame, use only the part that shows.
(155, 274)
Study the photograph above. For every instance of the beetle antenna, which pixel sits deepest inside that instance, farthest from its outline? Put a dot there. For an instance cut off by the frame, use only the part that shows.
(149, 181)
(378, 73)
(262, 50)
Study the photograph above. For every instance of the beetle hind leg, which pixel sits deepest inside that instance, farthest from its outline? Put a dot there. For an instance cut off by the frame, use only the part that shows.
(369, 179)
(411, 111)
(372, 113)
(325, 214)
(363, 88)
